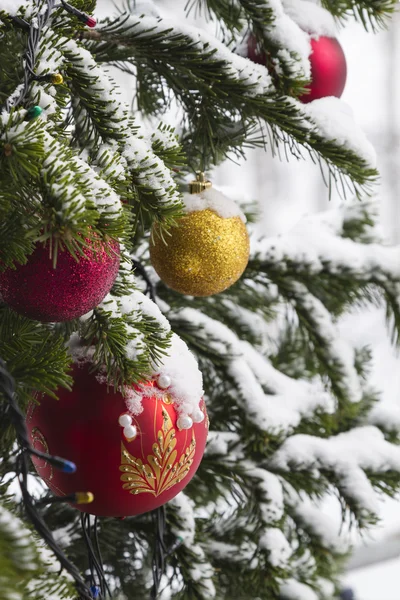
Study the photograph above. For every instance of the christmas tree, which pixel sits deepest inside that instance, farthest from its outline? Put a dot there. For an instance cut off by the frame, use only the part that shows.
(135, 300)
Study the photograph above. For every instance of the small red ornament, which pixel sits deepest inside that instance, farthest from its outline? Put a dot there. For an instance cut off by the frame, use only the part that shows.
(254, 52)
(328, 69)
(91, 22)
(328, 66)
(38, 291)
(131, 464)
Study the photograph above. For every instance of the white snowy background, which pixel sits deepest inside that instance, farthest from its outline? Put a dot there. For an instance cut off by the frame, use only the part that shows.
(288, 191)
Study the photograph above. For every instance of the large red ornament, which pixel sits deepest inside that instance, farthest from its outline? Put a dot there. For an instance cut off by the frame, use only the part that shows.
(41, 292)
(328, 69)
(328, 66)
(132, 464)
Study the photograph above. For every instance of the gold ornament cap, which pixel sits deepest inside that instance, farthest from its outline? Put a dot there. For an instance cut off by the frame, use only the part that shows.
(199, 184)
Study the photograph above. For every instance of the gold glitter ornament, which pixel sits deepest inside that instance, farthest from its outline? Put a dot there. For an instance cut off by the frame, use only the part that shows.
(204, 254)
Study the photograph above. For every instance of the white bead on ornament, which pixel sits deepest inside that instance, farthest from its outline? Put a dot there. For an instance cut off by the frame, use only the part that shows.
(164, 381)
(125, 420)
(197, 416)
(112, 465)
(130, 432)
(184, 422)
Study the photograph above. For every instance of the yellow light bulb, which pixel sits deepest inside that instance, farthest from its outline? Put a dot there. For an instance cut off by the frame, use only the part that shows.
(84, 497)
(57, 79)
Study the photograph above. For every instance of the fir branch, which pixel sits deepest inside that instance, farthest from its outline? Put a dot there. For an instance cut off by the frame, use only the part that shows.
(370, 13)
(102, 117)
(36, 357)
(260, 17)
(186, 64)
(25, 568)
(122, 339)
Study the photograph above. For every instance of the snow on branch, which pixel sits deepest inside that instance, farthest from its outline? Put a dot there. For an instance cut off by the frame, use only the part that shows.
(139, 345)
(226, 81)
(200, 570)
(312, 516)
(255, 78)
(310, 17)
(149, 172)
(28, 566)
(315, 246)
(137, 339)
(352, 457)
(386, 416)
(337, 354)
(221, 442)
(334, 121)
(292, 589)
(271, 492)
(287, 42)
(16, 7)
(74, 182)
(273, 401)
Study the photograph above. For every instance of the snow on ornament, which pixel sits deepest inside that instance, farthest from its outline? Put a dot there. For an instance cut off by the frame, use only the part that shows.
(40, 291)
(209, 248)
(133, 457)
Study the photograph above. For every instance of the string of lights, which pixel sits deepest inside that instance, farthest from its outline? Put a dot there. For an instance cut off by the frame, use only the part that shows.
(17, 418)
(96, 586)
(34, 33)
(44, 12)
(160, 551)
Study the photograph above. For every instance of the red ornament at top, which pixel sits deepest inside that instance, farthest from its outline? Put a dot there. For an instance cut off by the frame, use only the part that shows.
(328, 69)
(130, 463)
(328, 66)
(41, 292)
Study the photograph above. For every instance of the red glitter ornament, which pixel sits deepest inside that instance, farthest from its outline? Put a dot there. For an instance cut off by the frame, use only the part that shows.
(131, 464)
(38, 291)
(328, 69)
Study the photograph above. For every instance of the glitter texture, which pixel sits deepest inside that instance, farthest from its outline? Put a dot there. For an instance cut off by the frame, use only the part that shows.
(205, 253)
(38, 291)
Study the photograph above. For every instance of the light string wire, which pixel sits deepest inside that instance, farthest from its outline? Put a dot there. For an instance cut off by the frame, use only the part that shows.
(160, 552)
(97, 579)
(35, 30)
(7, 383)
(8, 391)
(42, 18)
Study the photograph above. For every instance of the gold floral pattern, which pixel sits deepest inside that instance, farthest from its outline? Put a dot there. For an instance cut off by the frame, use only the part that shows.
(163, 470)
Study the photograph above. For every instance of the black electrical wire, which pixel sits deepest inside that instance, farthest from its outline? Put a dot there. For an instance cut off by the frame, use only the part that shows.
(97, 577)
(7, 386)
(41, 20)
(160, 551)
(7, 390)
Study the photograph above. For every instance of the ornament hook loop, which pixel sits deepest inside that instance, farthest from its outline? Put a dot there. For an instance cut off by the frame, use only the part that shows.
(199, 184)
